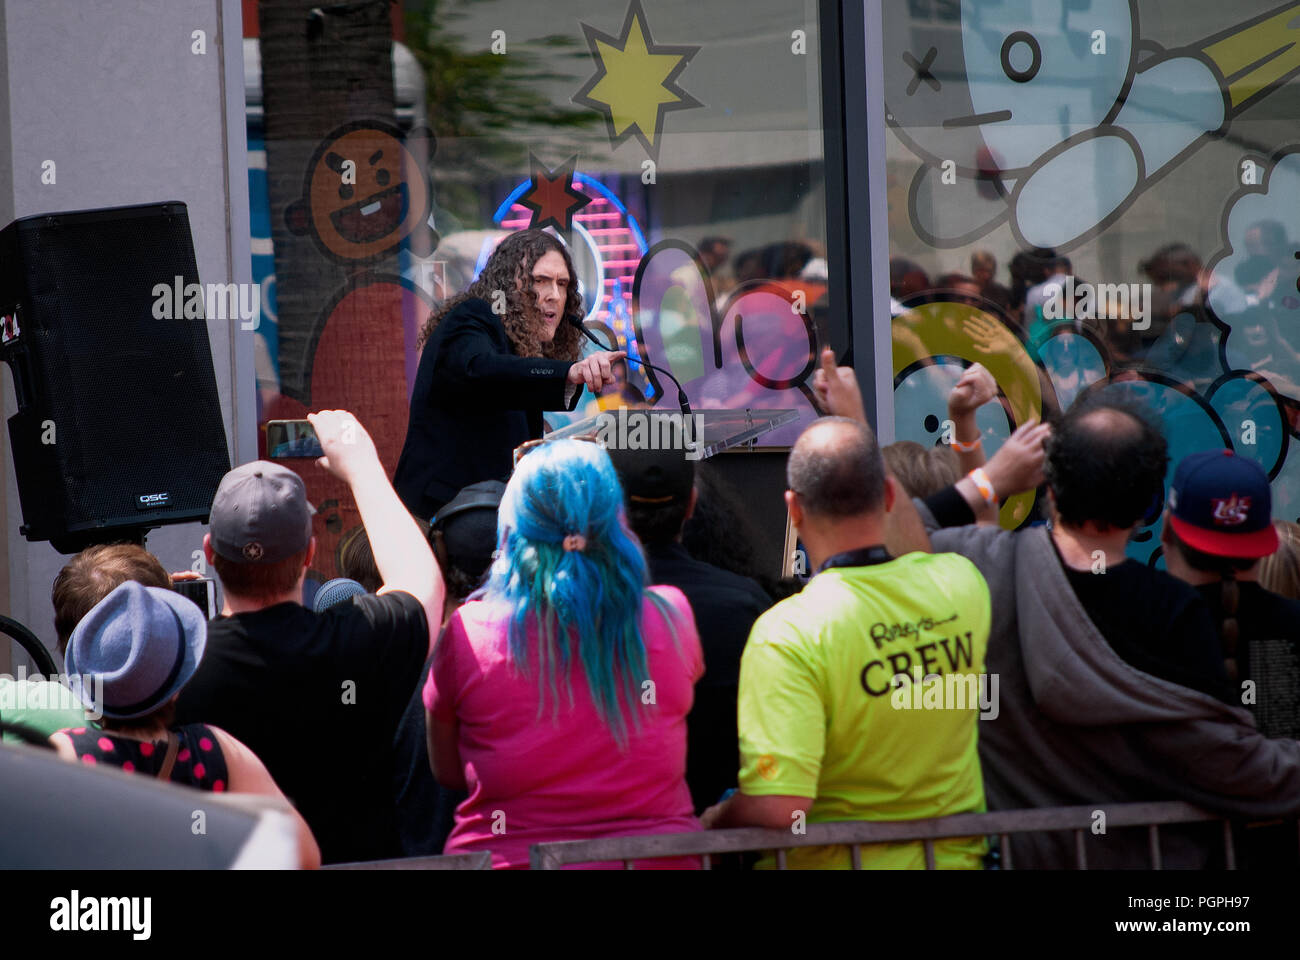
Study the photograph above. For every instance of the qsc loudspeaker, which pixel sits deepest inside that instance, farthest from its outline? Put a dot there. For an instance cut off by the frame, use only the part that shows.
(118, 428)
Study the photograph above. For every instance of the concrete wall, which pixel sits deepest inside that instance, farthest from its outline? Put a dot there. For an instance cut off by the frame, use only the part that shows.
(114, 93)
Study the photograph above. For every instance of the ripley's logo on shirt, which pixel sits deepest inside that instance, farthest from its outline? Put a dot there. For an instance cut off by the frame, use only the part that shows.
(1231, 512)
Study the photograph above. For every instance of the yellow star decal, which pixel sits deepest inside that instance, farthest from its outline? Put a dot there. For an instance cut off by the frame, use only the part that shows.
(635, 83)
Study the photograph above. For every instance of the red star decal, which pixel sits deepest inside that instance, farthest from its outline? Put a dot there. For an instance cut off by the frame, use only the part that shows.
(552, 197)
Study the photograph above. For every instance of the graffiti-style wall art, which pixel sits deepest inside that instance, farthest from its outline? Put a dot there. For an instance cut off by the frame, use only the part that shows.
(365, 205)
(676, 153)
(1129, 165)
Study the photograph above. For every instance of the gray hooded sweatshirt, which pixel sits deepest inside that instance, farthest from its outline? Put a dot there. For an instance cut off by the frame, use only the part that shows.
(1077, 725)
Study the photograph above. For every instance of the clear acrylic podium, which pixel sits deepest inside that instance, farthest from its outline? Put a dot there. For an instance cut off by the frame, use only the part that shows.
(713, 430)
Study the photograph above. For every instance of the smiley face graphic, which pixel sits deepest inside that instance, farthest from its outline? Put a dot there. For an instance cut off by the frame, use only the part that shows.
(1017, 82)
(366, 192)
(1033, 105)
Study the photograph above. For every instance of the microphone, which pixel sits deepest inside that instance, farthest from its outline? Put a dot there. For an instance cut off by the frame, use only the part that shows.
(681, 394)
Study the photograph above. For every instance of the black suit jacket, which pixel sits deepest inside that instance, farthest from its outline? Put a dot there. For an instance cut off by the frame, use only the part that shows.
(474, 402)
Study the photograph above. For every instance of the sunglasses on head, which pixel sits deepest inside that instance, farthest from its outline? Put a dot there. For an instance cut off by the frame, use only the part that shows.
(524, 449)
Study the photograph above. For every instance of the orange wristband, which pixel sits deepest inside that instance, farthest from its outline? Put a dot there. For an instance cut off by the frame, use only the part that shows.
(984, 486)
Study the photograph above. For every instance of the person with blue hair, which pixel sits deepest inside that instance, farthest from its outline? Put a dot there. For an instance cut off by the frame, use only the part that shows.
(559, 692)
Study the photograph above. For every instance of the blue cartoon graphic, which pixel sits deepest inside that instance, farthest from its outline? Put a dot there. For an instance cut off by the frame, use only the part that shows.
(935, 341)
(1255, 278)
(1055, 116)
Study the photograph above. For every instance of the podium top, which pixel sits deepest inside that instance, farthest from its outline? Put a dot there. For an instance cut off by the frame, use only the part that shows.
(711, 431)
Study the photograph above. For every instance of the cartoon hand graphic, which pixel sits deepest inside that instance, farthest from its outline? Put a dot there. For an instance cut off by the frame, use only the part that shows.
(988, 336)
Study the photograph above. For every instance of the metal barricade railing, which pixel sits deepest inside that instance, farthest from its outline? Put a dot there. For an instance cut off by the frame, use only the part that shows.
(45, 665)
(858, 833)
(451, 861)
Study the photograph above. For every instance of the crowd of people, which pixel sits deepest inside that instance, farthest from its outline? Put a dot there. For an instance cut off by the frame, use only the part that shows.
(571, 648)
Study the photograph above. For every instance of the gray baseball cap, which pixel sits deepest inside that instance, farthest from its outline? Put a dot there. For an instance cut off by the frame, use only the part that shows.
(260, 514)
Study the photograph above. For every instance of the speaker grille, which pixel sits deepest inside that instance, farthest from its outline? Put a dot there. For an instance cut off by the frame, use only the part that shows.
(132, 398)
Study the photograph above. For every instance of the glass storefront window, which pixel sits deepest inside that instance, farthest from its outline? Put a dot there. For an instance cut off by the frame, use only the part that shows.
(1101, 195)
(676, 147)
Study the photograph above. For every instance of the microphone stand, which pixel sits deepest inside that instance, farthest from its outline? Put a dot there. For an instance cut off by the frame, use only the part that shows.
(681, 394)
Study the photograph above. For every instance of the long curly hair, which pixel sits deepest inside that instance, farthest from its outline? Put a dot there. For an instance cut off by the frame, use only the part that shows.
(584, 604)
(510, 271)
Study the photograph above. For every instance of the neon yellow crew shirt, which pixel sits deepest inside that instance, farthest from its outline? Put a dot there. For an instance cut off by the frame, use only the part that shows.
(822, 715)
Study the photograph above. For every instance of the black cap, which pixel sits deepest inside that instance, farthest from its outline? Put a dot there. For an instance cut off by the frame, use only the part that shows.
(653, 477)
(469, 525)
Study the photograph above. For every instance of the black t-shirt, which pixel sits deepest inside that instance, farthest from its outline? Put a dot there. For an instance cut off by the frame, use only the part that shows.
(1267, 653)
(725, 607)
(318, 697)
(1156, 623)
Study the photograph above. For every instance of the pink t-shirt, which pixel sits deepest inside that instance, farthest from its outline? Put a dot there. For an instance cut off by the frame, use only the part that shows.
(540, 780)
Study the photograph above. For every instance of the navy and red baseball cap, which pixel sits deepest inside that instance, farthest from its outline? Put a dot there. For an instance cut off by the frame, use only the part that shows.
(1221, 504)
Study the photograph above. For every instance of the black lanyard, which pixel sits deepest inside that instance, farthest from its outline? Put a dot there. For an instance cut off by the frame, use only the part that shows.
(862, 557)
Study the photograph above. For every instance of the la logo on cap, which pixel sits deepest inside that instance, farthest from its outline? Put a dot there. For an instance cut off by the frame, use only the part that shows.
(1231, 512)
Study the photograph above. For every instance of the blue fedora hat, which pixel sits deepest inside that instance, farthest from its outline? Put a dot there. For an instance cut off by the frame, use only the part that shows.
(144, 643)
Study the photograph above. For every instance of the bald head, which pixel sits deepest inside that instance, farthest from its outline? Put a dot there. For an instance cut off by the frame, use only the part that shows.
(1106, 464)
(837, 470)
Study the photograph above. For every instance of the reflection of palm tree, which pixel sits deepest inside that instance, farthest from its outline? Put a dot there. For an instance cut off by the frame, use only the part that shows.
(482, 107)
(321, 67)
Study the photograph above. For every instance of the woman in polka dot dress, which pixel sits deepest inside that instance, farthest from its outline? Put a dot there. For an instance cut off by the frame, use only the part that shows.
(191, 755)
(134, 652)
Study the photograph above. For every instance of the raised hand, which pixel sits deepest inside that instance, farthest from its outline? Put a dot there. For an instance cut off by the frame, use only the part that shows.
(837, 388)
(346, 444)
(975, 388)
(1018, 464)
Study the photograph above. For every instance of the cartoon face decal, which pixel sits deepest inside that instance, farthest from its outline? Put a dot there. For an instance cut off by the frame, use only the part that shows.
(1030, 102)
(1057, 116)
(365, 193)
(1034, 80)
(1016, 78)
(921, 407)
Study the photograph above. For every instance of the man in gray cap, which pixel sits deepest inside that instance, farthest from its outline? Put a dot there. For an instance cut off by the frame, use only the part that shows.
(317, 696)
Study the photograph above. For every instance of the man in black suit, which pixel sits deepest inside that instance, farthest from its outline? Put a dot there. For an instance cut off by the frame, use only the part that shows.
(494, 358)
